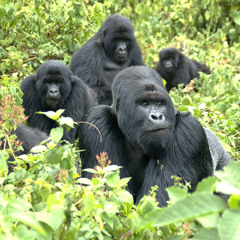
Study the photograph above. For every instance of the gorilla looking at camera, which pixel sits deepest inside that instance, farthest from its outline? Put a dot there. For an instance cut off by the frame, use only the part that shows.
(110, 50)
(54, 87)
(177, 68)
(147, 136)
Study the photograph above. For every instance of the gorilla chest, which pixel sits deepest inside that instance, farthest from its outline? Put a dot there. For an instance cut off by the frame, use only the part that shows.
(111, 69)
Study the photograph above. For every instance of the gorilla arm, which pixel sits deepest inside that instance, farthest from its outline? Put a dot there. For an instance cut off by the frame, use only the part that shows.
(112, 142)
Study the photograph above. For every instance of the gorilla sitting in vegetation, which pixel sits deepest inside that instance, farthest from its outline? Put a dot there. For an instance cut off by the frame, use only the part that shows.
(177, 68)
(147, 136)
(54, 87)
(110, 50)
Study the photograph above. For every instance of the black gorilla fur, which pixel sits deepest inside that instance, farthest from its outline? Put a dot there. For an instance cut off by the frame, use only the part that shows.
(177, 68)
(29, 137)
(54, 87)
(147, 136)
(110, 50)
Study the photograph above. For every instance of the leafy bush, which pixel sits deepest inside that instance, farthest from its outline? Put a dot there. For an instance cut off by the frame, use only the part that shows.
(49, 200)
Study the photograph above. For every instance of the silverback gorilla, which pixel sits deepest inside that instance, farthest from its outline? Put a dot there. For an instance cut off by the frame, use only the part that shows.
(147, 136)
(177, 68)
(54, 87)
(110, 50)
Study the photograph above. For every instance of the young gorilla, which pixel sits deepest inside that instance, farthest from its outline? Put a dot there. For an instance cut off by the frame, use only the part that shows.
(143, 133)
(177, 68)
(110, 50)
(54, 87)
(29, 137)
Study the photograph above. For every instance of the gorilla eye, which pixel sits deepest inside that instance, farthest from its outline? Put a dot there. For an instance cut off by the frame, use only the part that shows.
(145, 104)
(159, 103)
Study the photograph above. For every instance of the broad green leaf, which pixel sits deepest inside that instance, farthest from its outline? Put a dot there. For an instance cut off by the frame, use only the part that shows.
(123, 182)
(39, 149)
(111, 168)
(28, 219)
(85, 181)
(125, 196)
(176, 194)
(236, 16)
(209, 221)
(229, 179)
(112, 179)
(54, 155)
(54, 219)
(190, 208)
(207, 234)
(55, 200)
(18, 205)
(67, 122)
(207, 185)
(229, 225)
(234, 201)
(56, 134)
(53, 115)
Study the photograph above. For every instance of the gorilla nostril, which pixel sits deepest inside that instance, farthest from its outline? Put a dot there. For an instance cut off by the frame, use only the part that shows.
(154, 117)
(161, 117)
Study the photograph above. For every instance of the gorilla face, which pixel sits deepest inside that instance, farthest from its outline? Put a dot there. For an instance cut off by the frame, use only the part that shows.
(145, 111)
(53, 84)
(118, 38)
(169, 59)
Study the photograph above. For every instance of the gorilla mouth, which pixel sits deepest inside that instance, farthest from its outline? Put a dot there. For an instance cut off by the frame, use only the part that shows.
(157, 129)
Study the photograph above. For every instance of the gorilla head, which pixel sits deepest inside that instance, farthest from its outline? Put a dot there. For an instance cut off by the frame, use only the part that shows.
(55, 87)
(177, 68)
(112, 49)
(118, 38)
(169, 59)
(147, 117)
(53, 84)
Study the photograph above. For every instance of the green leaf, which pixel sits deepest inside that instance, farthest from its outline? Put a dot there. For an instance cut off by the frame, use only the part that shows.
(28, 219)
(176, 194)
(234, 201)
(209, 221)
(125, 196)
(56, 134)
(3, 161)
(236, 16)
(207, 185)
(190, 208)
(85, 181)
(54, 155)
(112, 179)
(229, 179)
(67, 122)
(54, 219)
(211, 234)
(53, 115)
(229, 225)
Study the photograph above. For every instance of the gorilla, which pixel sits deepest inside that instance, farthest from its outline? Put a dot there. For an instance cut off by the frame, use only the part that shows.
(110, 50)
(177, 68)
(29, 137)
(147, 136)
(54, 87)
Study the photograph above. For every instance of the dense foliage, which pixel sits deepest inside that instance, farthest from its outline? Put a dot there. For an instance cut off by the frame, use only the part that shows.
(48, 201)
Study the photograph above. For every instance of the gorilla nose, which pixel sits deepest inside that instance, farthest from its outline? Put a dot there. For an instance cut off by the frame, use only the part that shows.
(156, 117)
(53, 92)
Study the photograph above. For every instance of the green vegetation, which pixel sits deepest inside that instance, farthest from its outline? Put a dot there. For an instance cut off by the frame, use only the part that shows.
(48, 201)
